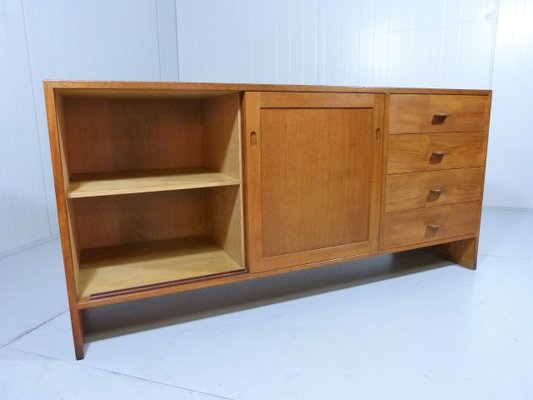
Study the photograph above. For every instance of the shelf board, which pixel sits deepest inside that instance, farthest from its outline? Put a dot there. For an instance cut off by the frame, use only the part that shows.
(129, 182)
(138, 265)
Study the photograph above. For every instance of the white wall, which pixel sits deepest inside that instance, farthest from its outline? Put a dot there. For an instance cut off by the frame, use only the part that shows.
(509, 180)
(455, 43)
(23, 210)
(51, 39)
(344, 42)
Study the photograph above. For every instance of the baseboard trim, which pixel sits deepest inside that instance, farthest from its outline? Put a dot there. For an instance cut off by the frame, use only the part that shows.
(518, 209)
(28, 246)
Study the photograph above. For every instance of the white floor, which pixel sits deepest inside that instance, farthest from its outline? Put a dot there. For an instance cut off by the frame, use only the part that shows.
(409, 326)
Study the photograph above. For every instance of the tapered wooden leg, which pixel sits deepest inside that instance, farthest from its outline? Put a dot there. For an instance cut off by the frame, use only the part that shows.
(76, 317)
(462, 252)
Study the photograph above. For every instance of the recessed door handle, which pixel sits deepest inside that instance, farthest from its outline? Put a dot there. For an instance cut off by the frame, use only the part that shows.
(436, 191)
(253, 138)
(433, 226)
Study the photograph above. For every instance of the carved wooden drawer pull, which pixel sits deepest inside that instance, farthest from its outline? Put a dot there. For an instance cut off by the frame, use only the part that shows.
(436, 191)
(437, 156)
(440, 118)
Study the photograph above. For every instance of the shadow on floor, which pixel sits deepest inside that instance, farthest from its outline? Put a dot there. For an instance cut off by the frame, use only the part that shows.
(172, 309)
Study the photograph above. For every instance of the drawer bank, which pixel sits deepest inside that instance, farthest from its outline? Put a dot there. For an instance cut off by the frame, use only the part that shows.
(168, 187)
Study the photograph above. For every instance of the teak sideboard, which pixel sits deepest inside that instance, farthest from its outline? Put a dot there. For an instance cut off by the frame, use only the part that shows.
(167, 187)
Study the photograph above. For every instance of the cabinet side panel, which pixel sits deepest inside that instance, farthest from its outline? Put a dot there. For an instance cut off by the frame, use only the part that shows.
(463, 252)
(251, 182)
(224, 220)
(67, 243)
(221, 145)
(66, 178)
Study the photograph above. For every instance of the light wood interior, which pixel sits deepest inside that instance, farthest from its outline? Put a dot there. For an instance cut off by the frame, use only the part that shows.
(144, 174)
(73, 241)
(120, 224)
(143, 181)
(134, 266)
(113, 135)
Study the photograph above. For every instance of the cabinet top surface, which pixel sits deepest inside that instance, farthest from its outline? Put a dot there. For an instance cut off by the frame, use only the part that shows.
(81, 86)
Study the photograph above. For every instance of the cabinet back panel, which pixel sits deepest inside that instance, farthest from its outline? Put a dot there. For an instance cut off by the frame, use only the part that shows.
(316, 166)
(114, 220)
(117, 134)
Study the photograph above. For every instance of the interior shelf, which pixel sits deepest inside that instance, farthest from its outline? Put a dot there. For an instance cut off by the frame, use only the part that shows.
(134, 266)
(160, 180)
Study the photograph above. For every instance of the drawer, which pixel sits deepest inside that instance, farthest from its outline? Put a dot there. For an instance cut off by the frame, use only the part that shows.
(416, 113)
(429, 224)
(434, 151)
(430, 189)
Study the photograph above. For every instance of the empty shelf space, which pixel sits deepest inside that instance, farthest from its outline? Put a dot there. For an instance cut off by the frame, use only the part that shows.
(129, 182)
(141, 265)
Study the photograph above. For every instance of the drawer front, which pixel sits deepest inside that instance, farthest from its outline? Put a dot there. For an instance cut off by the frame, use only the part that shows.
(416, 113)
(429, 224)
(430, 189)
(434, 151)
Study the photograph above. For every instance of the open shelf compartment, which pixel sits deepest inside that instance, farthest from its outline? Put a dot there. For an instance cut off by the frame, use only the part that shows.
(154, 188)
(115, 270)
(115, 145)
(138, 242)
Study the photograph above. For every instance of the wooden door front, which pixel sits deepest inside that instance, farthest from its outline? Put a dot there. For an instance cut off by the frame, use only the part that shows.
(312, 167)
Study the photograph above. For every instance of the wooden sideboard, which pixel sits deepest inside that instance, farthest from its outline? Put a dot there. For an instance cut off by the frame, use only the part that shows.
(168, 187)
